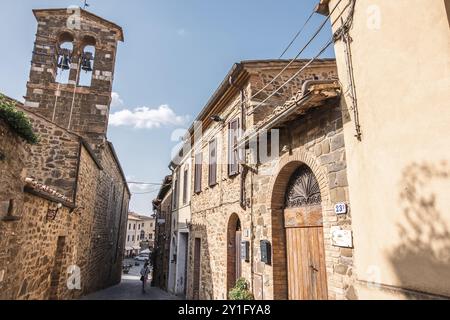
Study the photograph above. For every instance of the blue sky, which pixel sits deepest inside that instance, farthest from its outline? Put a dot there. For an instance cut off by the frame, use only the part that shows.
(174, 56)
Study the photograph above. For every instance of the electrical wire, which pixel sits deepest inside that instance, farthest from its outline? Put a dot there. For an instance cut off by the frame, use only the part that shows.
(146, 183)
(292, 61)
(316, 33)
(295, 58)
(305, 66)
(289, 64)
(298, 34)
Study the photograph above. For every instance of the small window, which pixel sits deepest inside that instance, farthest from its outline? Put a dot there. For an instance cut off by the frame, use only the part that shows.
(139, 227)
(213, 163)
(150, 236)
(128, 238)
(134, 226)
(233, 152)
(133, 238)
(198, 173)
(129, 226)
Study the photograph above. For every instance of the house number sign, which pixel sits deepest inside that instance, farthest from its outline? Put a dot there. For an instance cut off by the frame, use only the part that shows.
(340, 208)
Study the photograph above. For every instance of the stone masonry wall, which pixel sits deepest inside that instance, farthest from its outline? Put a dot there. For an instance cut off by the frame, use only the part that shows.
(162, 243)
(319, 135)
(109, 225)
(12, 153)
(12, 157)
(318, 142)
(34, 267)
(35, 253)
(53, 161)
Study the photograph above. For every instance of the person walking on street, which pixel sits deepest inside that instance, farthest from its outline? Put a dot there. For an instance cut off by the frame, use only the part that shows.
(145, 271)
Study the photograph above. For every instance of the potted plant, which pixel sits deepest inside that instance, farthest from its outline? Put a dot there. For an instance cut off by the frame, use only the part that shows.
(240, 291)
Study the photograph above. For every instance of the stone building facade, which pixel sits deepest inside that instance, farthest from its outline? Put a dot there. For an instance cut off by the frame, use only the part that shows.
(181, 220)
(66, 199)
(239, 208)
(162, 207)
(140, 233)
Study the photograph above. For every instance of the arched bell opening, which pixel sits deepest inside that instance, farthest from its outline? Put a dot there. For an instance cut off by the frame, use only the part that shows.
(65, 54)
(87, 61)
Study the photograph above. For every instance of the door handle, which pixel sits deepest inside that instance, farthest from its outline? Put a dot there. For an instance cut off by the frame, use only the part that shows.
(314, 268)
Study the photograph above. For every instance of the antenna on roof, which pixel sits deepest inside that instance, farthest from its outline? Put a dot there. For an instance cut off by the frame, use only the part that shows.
(86, 5)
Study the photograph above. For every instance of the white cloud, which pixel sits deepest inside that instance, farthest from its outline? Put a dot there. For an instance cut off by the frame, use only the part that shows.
(146, 118)
(181, 32)
(116, 101)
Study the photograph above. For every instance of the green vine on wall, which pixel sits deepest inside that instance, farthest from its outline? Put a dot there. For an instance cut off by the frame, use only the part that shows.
(17, 120)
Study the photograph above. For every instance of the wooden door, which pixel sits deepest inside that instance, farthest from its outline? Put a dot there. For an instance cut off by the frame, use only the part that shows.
(197, 257)
(307, 277)
(238, 255)
(186, 255)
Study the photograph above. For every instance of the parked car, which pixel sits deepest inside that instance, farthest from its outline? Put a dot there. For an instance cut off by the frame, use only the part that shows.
(142, 257)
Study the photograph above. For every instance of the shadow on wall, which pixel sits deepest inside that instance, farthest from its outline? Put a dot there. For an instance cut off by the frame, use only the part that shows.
(447, 8)
(422, 260)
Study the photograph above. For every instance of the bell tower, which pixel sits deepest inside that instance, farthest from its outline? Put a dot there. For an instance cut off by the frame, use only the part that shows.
(72, 71)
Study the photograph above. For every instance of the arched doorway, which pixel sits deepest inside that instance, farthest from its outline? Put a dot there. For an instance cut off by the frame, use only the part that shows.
(303, 224)
(234, 263)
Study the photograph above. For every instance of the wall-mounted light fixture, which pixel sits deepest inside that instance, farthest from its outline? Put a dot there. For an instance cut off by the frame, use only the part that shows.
(217, 118)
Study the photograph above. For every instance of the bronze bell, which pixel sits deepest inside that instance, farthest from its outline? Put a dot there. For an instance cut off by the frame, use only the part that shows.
(86, 64)
(64, 62)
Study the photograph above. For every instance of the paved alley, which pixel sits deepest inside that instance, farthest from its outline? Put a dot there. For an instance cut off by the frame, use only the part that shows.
(131, 289)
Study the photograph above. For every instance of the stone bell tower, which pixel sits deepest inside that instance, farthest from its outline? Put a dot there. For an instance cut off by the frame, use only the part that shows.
(72, 71)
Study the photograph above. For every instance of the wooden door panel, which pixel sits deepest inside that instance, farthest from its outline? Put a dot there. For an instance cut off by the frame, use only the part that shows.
(306, 264)
(238, 255)
(323, 285)
(197, 264)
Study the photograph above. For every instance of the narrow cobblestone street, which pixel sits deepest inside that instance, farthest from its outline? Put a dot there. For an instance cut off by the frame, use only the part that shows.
(131, 289)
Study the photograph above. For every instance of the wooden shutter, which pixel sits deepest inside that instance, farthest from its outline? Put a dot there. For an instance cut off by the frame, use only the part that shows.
(233, 158)
(185, 185)
(213, 163)
(198, 174)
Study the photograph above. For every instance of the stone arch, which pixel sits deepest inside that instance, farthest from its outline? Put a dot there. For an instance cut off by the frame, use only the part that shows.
(88, 45)
(65, 48)
(234, 228)
(286, 167)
